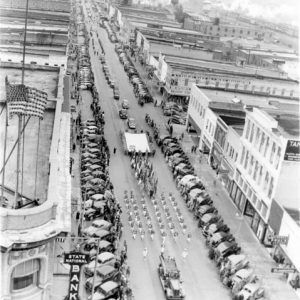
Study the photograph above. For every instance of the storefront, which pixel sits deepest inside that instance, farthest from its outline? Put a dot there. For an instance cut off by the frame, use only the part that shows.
(226, 174)
(205, 145)
(238, 197)
(216, 156)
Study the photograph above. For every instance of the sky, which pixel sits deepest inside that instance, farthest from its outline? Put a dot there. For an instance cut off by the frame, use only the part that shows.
(287, 11)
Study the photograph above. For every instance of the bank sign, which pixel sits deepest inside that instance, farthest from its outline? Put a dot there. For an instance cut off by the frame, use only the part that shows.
(292, 151)
(75, 260)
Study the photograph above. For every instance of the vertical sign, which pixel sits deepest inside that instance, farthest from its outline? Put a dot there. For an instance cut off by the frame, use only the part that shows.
(75, 260)
(292, 151)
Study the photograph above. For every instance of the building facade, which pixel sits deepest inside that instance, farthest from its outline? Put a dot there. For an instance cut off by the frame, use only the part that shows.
(260, 165)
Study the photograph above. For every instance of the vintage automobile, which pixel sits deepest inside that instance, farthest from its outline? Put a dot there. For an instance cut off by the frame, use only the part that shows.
(104, 258)
(205, 209)
(233, 263)
(242, 277)
(104, 273)
(186, 179)
(217, 238)
(183, 169)
(251, 291)
(209, 231)
(208, 219)
(131, 123)
(201, 199)
(107, 290)
(225, 249)
(169, 276)
(103, 224)
(90, 246)
(123, 113)
(93, 213)
(116, 93)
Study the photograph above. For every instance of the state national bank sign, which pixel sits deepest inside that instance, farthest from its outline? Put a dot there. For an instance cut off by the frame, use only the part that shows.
(75, 260)
(292, 151)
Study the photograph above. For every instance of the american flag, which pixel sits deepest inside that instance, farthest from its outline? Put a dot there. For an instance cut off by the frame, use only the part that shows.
(24, 100)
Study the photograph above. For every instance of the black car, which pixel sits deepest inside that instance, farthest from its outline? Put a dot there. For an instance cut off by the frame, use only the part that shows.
(225, 249)
(116, 93)
(123, 113)
(220, 237)
(205, 209)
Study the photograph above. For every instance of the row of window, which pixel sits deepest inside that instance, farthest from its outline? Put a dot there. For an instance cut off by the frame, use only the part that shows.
(260, 205)
(257, 172)
(200, 108)
(209, 127)
(262, 142)
(233, 154)
(233, 30)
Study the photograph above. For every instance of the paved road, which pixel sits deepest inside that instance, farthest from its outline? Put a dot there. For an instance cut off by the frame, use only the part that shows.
(198, 272)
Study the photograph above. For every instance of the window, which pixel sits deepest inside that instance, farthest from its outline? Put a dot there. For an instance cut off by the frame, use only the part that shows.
(236, 156)
(254, 199)
(266, 146)
(186, 81)
(252, 133)
(246, 161)
(25, 274)
(277, 159)
(255, 171)
(262, 141)
(248, 32)
(226, 29)
(260, 174)
(266, 181)
(241, 31)
(271, 186)
(251, 165)
(273, 150)
(258, 205)
(264, 209)
(233, 30)
(247, 129)
(257, 136)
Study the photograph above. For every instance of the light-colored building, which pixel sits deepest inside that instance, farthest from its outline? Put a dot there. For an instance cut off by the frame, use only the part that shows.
(178, 74)
(268, 166)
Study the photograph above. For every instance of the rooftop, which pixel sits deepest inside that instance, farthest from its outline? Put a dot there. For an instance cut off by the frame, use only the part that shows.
(196, 64)
(273, 54)
(231, 100)
(289, 124)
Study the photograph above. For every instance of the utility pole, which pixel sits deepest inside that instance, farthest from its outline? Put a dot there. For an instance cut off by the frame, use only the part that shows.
(95, 268)
(4, 151)
(20, 116)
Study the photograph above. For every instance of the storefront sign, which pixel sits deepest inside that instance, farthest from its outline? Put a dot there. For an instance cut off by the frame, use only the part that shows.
(283, 270)
(279, 240)
(292, 151)
(76, 260)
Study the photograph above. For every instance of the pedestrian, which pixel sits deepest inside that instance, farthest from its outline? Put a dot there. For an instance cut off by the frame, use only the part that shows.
(192, 149)
(145, 253)
(77, 215)
(189, 236)
(74, 147)
(184, 254)
(115, 150)
(162, 249)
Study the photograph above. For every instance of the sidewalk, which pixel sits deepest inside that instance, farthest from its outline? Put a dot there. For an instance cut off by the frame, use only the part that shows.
(275, 285)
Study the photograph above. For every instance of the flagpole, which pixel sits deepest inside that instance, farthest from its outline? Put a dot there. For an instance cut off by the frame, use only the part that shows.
(4, 151)
(20, 116)
(37, 157)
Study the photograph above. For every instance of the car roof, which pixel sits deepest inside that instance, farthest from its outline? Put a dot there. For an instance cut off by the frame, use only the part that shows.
(105, 255)
(109, 285)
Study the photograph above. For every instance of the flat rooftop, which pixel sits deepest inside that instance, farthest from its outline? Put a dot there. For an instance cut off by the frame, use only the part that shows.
(276, 105)
(289, 124)
(45, 80)
(192, 64)
(274, 54)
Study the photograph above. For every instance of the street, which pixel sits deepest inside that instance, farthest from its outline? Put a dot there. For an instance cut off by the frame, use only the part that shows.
(199, 282)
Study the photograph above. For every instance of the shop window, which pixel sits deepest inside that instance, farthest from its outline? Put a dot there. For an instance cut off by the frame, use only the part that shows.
(271, 187)
(258, 205)
(273, 150)
(264, 209)
(252, 133)
(25, 275)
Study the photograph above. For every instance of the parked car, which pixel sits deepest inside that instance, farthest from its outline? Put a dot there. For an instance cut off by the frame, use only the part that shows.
(205, 209)
(251, 291)
(225, 249)
(107, 290)
(131, 123)
(216, 239)
(242, 277)
(210, 230)
(208, 219)
(233, 263)
(123, 113)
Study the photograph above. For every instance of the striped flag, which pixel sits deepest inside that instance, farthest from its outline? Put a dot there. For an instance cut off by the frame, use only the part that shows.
(24, 100)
